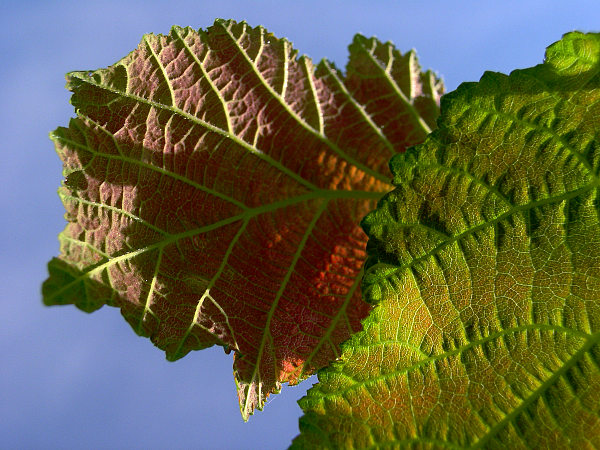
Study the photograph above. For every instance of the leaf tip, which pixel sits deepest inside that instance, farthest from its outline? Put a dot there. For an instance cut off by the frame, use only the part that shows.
(574, 53)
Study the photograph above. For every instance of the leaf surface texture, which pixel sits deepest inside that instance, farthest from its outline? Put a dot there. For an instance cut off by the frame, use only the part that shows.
(214, 185)
(484, 264)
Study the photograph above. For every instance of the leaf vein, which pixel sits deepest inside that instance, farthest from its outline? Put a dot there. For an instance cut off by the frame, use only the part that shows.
(300, 120)
(469, 231)
(208, 126)
(588, 344)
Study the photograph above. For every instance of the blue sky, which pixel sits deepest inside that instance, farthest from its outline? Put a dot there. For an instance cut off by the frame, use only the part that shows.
(72, 380)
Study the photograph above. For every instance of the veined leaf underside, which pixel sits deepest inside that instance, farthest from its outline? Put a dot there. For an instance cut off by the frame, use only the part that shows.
(214, 184)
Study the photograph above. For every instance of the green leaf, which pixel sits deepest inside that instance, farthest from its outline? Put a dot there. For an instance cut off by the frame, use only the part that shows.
(214, 185)
(485, 266)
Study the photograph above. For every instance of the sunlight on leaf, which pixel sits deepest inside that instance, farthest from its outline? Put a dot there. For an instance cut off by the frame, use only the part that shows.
(485, 266)
(214, 185)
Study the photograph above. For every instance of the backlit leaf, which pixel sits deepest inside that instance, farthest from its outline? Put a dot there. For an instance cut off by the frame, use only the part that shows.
(214, 185)
(485, 266)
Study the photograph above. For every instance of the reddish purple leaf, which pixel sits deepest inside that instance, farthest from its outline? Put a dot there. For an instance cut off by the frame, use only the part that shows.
(215, 182)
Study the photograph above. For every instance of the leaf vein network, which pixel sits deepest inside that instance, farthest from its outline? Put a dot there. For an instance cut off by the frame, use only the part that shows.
(574, 359)
(207, 78)
(210, 127)
(299, 119)
(501, 334)
(283, 286)
(392, 83)
(542, 129)
(469, 231)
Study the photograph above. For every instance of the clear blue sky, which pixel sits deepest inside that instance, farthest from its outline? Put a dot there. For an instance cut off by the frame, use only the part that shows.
(71, 380)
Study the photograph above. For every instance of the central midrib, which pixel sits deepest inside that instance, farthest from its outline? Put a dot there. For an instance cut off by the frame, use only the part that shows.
(327, 195)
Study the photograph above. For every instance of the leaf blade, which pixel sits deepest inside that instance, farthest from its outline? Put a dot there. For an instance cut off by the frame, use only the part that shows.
(484, 267)
(214, 186)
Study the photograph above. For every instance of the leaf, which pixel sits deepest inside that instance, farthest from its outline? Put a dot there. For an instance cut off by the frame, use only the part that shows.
(214, 185)
(485, 266)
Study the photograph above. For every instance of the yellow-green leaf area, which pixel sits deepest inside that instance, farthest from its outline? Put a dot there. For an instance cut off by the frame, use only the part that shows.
(484, 264)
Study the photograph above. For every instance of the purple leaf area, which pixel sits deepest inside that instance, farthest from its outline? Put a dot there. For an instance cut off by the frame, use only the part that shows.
(214, 186)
